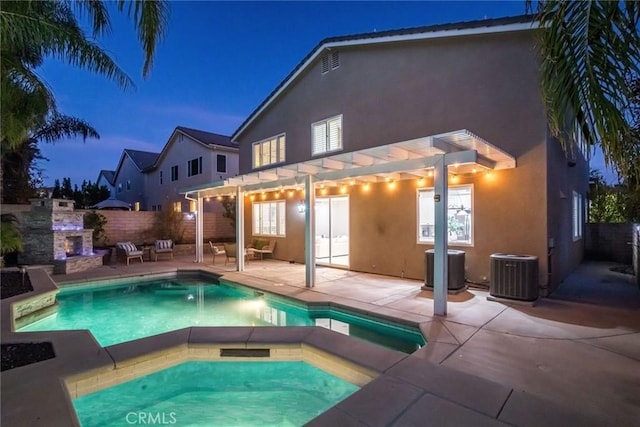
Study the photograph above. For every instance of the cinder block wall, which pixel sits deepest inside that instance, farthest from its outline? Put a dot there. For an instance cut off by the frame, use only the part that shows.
(609, 242)
(138, 227)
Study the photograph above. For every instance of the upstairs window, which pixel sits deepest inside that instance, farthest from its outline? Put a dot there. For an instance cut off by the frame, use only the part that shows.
(194, 167)
(269, 151)
(221, 163)
(160, 177)
(327, 135)
(174, 173)
(120, 188)
(128, 185)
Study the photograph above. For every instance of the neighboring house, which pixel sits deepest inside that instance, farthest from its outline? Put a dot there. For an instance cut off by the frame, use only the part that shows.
(190, 157)
(129, 178)
(367, 121)
(105, 177)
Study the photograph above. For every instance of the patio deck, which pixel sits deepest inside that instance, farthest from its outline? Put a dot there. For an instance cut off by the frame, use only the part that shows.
(572, 359)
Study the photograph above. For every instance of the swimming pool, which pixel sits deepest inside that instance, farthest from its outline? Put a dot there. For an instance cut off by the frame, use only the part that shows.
(128, 310)
(217, 394)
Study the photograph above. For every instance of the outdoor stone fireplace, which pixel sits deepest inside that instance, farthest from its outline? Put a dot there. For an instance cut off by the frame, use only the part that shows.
(55, 233)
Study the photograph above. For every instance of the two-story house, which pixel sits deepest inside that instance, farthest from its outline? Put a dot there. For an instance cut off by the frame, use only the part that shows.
(190, 157)
(378, 146)
(129, 179)
(105, 178)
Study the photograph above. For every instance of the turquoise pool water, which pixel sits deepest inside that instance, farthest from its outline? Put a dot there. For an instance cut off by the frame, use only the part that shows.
(126, 311)
(217, 394)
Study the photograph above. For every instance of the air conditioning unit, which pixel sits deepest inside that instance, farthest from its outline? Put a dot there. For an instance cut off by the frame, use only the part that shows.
(514, 277)
(455, 260)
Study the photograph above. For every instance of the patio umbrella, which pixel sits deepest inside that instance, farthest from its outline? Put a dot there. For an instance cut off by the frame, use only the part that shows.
(111, 204)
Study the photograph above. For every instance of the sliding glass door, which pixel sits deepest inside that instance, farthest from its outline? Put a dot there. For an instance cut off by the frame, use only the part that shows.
(332, 230)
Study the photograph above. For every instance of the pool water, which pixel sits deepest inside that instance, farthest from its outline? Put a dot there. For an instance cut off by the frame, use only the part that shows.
(217, 394)
(126, 311)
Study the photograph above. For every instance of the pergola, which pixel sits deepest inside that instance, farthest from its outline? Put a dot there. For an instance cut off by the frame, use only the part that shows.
(416, 158)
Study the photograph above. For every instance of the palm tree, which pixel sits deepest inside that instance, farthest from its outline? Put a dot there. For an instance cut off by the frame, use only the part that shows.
(590, 49)
(31, 30)
(10, 237)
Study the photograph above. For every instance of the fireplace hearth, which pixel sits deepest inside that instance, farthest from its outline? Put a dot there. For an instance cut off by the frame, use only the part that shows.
(55, 233)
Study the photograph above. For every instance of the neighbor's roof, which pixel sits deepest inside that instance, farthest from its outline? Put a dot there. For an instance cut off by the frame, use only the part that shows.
(108, 175)
(142, 159)
(207, 138)
(485, 26)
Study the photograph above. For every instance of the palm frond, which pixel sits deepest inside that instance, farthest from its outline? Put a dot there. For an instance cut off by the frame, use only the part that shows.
(588, 50)
(59, 126)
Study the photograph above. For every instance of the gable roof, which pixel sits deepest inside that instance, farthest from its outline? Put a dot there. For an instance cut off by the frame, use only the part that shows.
(142, 159)
(108, 175)
(207, 138)
(485, 26)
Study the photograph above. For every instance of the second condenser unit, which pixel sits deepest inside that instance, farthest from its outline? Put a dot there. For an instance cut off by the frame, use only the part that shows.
(514, 276)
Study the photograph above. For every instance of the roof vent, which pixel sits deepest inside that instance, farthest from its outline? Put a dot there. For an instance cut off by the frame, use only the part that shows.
(325, 64)
(335, 60)
(330, 59)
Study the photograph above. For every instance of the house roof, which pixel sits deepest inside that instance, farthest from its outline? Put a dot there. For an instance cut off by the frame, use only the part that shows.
(207, 138)
(142, 159)
(485, 26)
(108, 175)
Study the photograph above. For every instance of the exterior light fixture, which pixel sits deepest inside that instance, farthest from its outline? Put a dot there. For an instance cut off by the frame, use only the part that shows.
(421, 182)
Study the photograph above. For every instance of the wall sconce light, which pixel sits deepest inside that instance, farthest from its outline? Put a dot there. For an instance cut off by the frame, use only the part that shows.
(301, 207)
(207, 199)
(366, 186)
(421, 182)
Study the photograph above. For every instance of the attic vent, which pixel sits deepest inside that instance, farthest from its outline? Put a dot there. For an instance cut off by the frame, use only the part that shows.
(325, 64)
(335, 60)
(331, 59)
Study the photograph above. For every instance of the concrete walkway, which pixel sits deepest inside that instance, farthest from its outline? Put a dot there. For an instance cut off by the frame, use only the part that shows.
(573, 359)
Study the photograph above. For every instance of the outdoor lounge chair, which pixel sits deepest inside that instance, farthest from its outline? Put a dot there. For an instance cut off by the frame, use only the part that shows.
(268, 249)
(128, 250)
(231, 251)
(215, 251)
(163, 247)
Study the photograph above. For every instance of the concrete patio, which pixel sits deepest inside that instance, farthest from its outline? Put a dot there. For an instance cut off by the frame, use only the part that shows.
(573, 359)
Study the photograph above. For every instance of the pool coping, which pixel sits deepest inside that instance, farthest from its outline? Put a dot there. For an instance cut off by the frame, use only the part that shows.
(404, 383)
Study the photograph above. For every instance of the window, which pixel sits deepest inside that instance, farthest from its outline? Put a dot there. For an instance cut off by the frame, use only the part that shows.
(120, 188)
(160, 177)
(221, 163)
(578, 216)
(269, 218)
(174, 173)
(192, 206)
(459, 215)
(194, 167)
(177, 206)
(269, 151)
(128, 185)
(159, 208)
(136, 206)
(327, 135)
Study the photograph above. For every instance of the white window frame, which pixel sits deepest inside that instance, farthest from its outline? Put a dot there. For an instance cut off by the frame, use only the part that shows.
(577, 216)
(176, 176)
(430, 241)
(275, 227)
(264, 149)
(324, 127)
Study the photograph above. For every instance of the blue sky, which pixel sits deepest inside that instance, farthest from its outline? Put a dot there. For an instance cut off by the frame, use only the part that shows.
(216, 65)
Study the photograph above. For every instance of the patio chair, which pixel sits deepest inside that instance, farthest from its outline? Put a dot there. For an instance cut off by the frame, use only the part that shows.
(128, 250)
(268, 249)
(163, 247)
(216, 251)
(231, 251)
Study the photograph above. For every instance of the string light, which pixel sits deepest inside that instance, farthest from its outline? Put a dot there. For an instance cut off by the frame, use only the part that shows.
(421, 182)
(366, 186)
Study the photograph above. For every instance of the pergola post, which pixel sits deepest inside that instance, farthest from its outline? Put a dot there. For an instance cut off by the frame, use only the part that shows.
(199, 228)
(239, 229)
(440, 261)
(309, 232)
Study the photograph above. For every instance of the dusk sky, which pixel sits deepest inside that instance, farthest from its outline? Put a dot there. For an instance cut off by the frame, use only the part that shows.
(218, 62)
